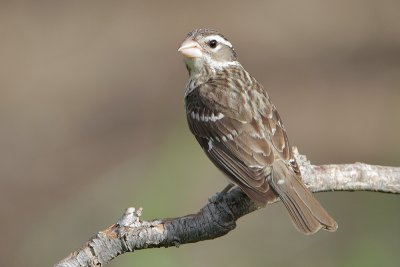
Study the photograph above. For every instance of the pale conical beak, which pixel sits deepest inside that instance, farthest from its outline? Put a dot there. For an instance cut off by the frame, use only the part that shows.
(190, 48)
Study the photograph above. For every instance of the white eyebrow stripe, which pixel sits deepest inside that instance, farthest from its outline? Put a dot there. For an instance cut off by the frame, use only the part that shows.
(219, 39)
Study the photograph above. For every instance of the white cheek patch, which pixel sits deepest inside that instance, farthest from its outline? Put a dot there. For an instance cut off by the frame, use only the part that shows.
(217, 48)
(219, 39)
(217, 65)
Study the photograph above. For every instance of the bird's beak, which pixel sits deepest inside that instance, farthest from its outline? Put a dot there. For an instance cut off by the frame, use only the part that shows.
(190, 48)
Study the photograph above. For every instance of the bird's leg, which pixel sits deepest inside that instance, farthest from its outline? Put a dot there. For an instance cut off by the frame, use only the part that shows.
(217, 197)
(227, 188)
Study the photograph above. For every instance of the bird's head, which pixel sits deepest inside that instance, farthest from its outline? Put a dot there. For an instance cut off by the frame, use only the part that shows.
(207, 48)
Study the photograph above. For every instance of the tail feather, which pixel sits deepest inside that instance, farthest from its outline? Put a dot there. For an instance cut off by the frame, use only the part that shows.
(306, 212)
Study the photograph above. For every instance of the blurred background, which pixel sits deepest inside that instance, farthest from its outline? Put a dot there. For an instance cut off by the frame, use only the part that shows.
(92, 121)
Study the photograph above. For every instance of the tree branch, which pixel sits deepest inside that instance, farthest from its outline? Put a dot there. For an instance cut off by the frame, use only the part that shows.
(219, 216)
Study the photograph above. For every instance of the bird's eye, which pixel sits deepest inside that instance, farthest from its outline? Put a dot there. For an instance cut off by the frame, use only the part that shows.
(213, 43)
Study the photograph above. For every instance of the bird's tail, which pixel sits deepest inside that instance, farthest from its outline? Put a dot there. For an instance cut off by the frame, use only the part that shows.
(306, 212)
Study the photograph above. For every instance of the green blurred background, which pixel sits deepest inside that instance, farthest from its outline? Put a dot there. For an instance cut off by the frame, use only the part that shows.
(92, 121)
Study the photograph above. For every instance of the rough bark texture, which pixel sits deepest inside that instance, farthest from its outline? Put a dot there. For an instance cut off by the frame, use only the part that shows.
(219, 216)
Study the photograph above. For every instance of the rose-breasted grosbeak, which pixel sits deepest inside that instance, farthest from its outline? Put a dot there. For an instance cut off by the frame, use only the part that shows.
(240, 130)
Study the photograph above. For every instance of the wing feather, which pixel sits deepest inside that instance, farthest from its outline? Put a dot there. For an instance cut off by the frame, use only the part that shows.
(235, 144)
(243, 135)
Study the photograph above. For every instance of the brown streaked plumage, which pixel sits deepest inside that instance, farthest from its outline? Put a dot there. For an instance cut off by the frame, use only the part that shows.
(240, 130)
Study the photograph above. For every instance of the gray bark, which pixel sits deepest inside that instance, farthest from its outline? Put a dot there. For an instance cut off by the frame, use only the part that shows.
(219, 216)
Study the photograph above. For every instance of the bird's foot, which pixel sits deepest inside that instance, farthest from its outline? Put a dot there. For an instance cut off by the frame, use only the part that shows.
(218, 197)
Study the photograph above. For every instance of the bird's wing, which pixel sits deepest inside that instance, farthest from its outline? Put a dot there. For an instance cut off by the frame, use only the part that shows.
(241, 141)
(242, 133)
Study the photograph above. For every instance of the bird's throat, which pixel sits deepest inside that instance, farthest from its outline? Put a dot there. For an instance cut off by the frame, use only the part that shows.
(194, 66)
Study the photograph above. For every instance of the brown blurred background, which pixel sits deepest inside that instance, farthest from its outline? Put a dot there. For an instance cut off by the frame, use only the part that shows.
(92, 121)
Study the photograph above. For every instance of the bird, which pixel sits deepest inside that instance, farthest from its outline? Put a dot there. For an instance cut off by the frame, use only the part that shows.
(238, 127)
